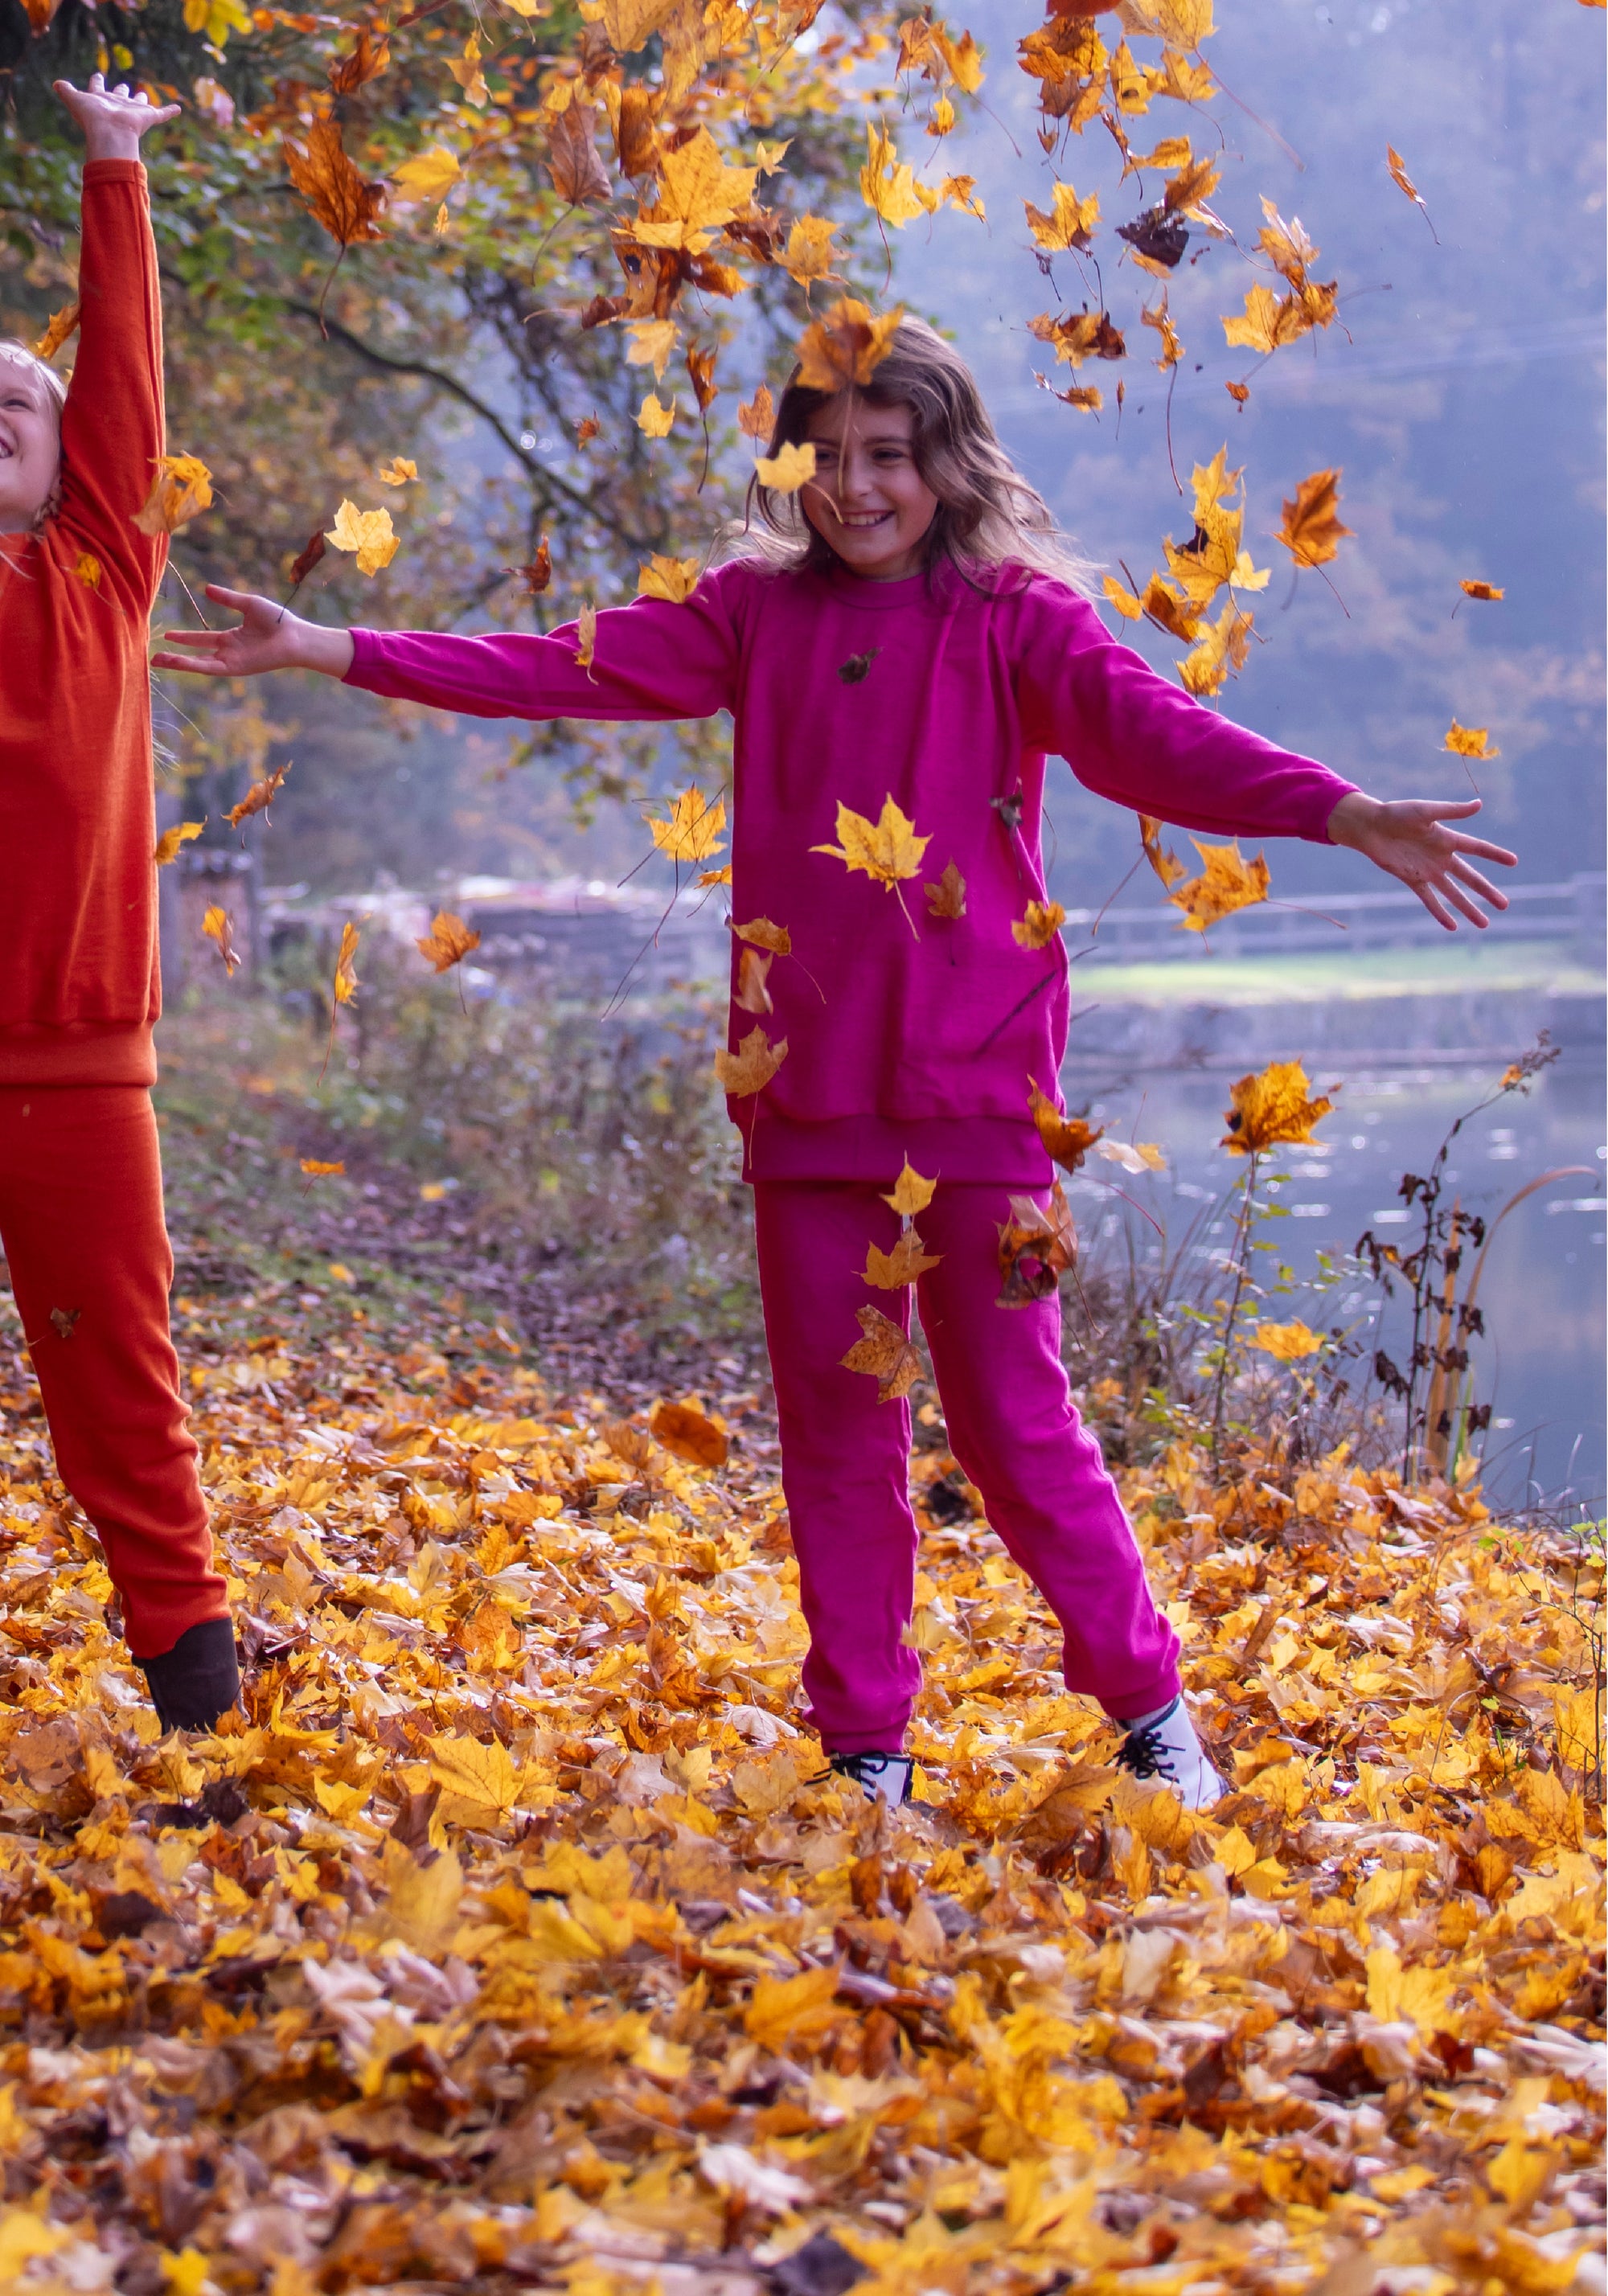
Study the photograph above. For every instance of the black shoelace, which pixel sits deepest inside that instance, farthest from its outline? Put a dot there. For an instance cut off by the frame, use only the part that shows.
(1146, 1753)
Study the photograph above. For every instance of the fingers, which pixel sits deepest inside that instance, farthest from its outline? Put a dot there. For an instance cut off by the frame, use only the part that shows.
(1487, 852)
(1432, 903)
(1461, 870)
(204, 641)
(212, 666)
(1454, 893)
(1453, 810)
(238, 600)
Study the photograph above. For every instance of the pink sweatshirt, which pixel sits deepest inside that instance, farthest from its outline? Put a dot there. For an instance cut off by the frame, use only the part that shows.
(908, 1034)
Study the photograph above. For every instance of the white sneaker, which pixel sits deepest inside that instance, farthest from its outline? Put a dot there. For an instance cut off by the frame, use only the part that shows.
(1167, 1750)
(884, 1776)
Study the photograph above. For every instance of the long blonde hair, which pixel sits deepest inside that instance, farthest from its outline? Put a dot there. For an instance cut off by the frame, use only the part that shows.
(988, 518)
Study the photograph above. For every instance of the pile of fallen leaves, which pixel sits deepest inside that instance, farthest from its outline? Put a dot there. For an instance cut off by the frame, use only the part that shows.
(515, 1937)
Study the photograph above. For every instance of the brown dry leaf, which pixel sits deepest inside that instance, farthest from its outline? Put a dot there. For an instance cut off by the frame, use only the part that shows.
(370, 56)
(1037, 1246)
(1167, 865)
(1039, 926)
(1469, 741)
(885, 1355)
(219, 927)
(751, 1068)
(1404, 182)
(346, 957)
(688, 1433)
(573, 161)
(911, 1192)
(1487, 590)
(1079, 335)
(892, 1271)
(259, 796)
(585, 638)
(1239, 392)
(1068, 1138)
(700, 370)
(1227, 882)
(1311, 530)
(846, 347)
(448, 941)
(335, 193)
(763, 934)
(304, 561)
(757, 418)
(948, 897)
(63, 326)
(169, 843)
(586, 429)
(787, 2011)
(752, 994)
(536, 576)
(1172, 349)
(180, 491)
(1270, 1109)
(1087, 398)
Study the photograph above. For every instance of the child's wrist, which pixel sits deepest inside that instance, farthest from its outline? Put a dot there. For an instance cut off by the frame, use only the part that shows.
(111, 147)
(1352, 817)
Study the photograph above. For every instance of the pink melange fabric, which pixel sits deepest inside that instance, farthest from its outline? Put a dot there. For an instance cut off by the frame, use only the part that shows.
(907, 1034)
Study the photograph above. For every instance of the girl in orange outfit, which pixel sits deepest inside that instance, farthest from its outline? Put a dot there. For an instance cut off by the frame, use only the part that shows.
(81, 1180)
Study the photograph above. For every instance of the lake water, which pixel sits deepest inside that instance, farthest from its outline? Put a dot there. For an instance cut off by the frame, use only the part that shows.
(1541, 1361)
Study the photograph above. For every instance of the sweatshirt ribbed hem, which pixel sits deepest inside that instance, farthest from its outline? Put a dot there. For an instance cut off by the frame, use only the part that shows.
(83, 1053)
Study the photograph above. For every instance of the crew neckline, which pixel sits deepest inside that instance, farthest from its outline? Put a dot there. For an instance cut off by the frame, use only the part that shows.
(881, 597)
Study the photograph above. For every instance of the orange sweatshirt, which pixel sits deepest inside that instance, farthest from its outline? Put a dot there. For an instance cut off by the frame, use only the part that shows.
(79, 988)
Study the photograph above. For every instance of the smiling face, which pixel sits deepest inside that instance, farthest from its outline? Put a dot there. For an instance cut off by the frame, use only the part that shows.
(868, 501)
(31, 443)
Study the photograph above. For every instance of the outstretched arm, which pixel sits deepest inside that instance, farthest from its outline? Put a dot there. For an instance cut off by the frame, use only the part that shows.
(112, 120)
(1409, 838)
(266, 637)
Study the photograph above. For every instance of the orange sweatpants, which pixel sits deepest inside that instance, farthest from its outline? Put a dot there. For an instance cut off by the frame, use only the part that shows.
(82, 1229)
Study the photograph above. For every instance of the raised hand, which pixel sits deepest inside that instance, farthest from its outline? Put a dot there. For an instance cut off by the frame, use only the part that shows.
(112, 120)
(266, 637)
(1408, 838)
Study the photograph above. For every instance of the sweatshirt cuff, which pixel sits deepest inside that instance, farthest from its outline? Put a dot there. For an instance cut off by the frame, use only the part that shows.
(113, 171)
(364, 661)
(1323, 808)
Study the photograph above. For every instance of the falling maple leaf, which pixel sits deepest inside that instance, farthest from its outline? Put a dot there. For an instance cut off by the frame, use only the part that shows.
(369, 58)
(751, 1068)
(1222, 649)
(1037, 1246)
(911, 1192)
(1469, 741)
(1238, 391)
(887, 182)
(448, 941)
(697, 195)
(180, 491)
(1039, 926)
(367, 534)
(427, 174)
(892, 1271)
(219, 928)
(397, 471)
(689, 1433)
(722, 876)
(1087, 398)
(1487, 590)
(86, 569)
(1172, 349)
(1167, 865)
(1311, 530)
(846, 347)
(691, 830)
(585, 638)
(345, 978)
(1134, 1155)
(857, 669)
(573, 161)
(303, 563)
(887, 849)
(1079, 335)
(808, 256)
(701, 373)
(1068, 1138)
(169, 843)
(654, 420)
(1286, 1342)
(586, 429)
(948, 897)
(752, 994)
(1122, 598)
(787, 470)
(884, 1354)
(1070, 222)
(61, 328)
(1271, 1109)
(259, 796)
(539, 573)
(757, 418)
(334, 192)
(317, 1168)
(763, 934)
(673, 580)
(1407, 187)
(1227, 882)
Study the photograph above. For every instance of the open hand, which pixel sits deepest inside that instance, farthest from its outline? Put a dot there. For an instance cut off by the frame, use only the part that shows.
(266, 637)
(1408, 838)
(112, 120)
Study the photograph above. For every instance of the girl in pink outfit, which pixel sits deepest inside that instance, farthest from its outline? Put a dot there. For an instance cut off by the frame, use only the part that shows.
(913, 631)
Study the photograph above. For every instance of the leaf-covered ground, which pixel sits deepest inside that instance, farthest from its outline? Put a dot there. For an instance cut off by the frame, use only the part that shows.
(516, 1939)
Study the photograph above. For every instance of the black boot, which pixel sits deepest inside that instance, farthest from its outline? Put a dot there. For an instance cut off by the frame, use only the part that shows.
(198, 1679)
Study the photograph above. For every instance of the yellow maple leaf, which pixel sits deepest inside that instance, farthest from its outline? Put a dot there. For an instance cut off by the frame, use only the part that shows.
(1167, 865)
(397, 471)
(421, 1901)
(1271, 1108)
(1222, 649)
(169, 843)
(1039, 926)
(63, 326)
(1287, 1342)
(1469, 741)
(366, 533)
(892, 1271)
(429, 175)
(1487, 590)
(1070, 222)
(808, 256)
(1122, 598)
(911, 1192)
(1172, 349)
(478, 1782)
(448, 941)
(1068, 1138)
(887, 182)
(673, 580)
(788, 469)
(218, 926)
(87, 570)
(751, 1068)
(1269, 321)
(786, 2011)
(846, 347)
(346, 958)
(698, 194)
(1311, 530)
(319, 1167)
(653, 343)
(585, 638)
(691, 830)
(180, 491)
(887, 849)
(1227, 882)
(652, 420)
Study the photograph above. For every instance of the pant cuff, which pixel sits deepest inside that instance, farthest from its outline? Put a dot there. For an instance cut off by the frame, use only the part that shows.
(1123, 1706)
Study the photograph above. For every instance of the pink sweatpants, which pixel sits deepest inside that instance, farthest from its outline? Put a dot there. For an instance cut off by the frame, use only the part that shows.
(1012, 1425)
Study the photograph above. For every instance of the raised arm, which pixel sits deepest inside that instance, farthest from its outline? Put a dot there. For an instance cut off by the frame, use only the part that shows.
(650, 659)
(1133, 736)
(112, 424)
